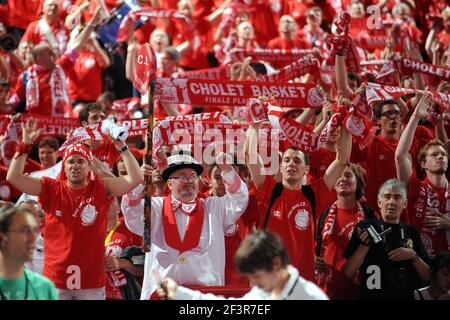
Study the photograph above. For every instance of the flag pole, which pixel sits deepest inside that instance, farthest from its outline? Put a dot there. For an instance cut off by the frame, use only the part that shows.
(148, 160)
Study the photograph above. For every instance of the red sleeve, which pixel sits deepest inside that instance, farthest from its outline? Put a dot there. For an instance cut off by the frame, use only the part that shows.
(19, 89)
(31, 166)
(358, 155)
(324, 197)
(31, 34)
(265, 192)
(48, 185)
(65, 63)
(413, 193)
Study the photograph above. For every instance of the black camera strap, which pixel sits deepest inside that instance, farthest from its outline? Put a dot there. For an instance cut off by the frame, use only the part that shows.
(401, 231)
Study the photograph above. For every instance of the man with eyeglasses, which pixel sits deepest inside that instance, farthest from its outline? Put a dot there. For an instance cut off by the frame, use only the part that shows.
(430, 199)
(18, 231)
(187, 232)
(380, 153)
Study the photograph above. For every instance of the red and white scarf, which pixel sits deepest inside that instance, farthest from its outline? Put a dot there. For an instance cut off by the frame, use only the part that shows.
(235, 93)
(430, 202)
(58, 41)
(60, 98)
(307, 64)
(193, 230)
(330, 220)
(270, 55)
(408, 65)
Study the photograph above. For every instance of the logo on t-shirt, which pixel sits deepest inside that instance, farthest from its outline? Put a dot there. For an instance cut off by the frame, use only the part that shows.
(88, 215)
(302, 219)
(89, 63)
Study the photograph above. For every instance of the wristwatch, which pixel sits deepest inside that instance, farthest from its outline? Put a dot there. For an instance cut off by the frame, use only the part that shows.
(124, 148)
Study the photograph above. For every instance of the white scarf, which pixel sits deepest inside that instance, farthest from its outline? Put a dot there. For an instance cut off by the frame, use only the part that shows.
(60, 98)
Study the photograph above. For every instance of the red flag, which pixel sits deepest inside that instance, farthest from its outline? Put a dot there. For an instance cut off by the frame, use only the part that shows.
(145, 68)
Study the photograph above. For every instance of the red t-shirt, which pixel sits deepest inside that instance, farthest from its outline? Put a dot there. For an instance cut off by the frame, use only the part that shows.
(234, 237)
(23, 12)
(45, 92)
(379, 154)
(74, 241)
(290, 218)
(61, 34)
(433, 240)
(85, 83)
(339, 286)
(7, 191)
(319, 162)
(107, 153)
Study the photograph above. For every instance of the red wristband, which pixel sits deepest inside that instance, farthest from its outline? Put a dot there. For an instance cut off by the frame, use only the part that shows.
(23, 148)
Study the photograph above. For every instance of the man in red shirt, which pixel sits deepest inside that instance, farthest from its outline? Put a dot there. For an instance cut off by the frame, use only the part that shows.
(43, 85)
(429, 199)
(76, 212)
(287, 38)
(292, 214)
(380, 153)
(104, 150)
(49, 29)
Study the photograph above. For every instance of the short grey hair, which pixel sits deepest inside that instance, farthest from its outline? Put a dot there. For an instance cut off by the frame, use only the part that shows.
(393, 184)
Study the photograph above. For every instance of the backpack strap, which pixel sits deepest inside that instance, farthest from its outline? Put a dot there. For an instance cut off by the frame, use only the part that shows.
(309, 194)
(319, 229)
(276, 192)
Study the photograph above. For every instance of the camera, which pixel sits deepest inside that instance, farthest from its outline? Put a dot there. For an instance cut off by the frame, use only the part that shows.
(8, 42)
(374, 236)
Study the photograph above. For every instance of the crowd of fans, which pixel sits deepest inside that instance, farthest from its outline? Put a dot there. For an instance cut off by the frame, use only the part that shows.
(359, 218)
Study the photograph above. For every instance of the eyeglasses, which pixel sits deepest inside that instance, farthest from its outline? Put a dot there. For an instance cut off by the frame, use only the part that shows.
(26, 231)
(391, 114)
(186, 179)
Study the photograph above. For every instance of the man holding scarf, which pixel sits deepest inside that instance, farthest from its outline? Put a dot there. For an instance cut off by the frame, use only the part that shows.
(76, 212)
(291, 213)
(187, 233)
(43, 85)
(429, 209)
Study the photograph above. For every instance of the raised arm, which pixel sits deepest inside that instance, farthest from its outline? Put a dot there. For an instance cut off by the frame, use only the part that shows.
(15, 175)
(73, 19)
(101, 54)
(84, 35)
(120, 185)
(403, 161)
(341, 76)
(254, 162)
(343, 151)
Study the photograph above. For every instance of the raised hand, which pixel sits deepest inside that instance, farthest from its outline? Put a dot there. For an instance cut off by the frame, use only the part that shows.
(30, 131)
